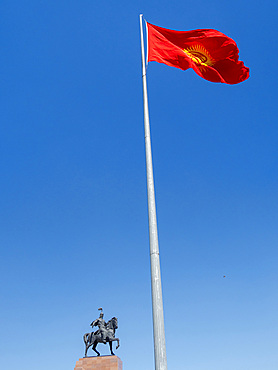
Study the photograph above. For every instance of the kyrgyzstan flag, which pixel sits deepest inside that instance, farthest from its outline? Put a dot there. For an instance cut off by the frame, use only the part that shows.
(212, 55)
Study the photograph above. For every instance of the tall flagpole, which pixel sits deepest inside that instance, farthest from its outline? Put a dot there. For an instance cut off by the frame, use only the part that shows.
(157, 302)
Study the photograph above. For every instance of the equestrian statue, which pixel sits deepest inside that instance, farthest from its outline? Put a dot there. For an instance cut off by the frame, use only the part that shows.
(104, 334)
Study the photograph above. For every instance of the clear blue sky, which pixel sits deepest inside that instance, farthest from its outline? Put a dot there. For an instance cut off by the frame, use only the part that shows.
(74, 228)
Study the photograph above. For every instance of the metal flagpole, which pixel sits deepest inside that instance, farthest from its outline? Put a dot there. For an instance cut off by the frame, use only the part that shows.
(157, 303)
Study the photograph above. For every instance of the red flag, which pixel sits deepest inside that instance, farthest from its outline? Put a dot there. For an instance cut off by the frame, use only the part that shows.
(212, 55)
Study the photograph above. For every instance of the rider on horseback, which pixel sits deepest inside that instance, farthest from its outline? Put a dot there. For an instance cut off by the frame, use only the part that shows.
(105, 334)
(101, 325)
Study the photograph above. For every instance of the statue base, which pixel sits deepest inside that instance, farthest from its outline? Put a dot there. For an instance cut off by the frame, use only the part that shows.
(99, 363)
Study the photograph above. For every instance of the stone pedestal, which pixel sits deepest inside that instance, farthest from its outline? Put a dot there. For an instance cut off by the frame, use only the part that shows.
(99, 363)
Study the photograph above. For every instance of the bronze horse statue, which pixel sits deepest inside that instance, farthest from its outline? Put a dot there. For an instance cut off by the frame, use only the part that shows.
(92, 339)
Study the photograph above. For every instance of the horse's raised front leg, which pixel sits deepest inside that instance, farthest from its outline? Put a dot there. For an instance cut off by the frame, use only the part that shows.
(117, 340)
(94, 349)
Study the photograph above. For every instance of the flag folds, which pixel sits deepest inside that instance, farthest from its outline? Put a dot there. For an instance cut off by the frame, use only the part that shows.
(210, 53)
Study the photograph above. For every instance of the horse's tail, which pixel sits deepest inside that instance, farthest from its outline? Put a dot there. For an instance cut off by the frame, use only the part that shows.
(85, 338)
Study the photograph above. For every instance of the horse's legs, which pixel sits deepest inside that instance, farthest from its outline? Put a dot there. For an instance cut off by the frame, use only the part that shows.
(118, 341)
(94, 349)
(113, 340)
(87, 343)
(111, 349)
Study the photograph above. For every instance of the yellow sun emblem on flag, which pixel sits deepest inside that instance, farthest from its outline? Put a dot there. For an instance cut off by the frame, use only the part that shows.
(199, 55)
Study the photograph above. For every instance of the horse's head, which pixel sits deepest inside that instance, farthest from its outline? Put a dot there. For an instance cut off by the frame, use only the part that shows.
(113, 323)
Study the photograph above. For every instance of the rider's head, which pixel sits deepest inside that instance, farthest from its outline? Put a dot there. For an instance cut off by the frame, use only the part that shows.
(101, 315)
